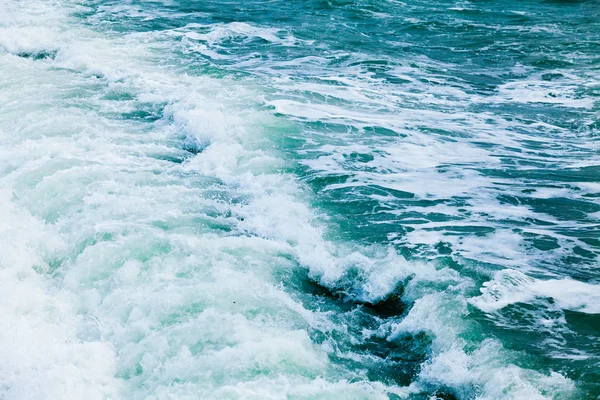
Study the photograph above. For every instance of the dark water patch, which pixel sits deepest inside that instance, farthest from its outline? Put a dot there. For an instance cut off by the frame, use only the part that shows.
(587, 325)
(594, 242)
(552, 76)
(575, 262)
(390, 306)
(395, 361)
(172, 158)
(359, 157)
(559, 207)
(38, 55)
(584, 253)
(193, 147)
(444, 394)
(541, 242)
(443, 248)
(148, 115)
(346, 294)
(320, 182)
(116, 95)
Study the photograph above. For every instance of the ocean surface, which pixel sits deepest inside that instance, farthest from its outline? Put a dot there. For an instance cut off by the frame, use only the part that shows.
(299, 199)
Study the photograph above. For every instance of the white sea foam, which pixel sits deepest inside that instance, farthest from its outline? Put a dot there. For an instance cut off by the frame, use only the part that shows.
(219, 32)
(42, 355)
(511, 286)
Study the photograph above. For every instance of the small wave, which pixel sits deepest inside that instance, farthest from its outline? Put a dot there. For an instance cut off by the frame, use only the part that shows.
(511, 287)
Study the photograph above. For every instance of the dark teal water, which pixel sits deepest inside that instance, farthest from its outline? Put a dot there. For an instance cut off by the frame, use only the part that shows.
(300, 199)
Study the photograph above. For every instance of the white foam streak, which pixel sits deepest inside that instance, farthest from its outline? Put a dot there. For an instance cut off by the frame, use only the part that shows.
(511, 287)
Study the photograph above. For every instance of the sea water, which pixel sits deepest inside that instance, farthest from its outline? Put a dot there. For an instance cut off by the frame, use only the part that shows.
(285, 199)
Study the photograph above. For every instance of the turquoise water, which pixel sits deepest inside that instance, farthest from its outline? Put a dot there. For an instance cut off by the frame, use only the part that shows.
(351, 199)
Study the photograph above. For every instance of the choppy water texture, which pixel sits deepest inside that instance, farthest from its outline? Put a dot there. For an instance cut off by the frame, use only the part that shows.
(316, 199)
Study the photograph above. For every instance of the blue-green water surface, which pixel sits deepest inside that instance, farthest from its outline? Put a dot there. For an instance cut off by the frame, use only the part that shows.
(351, 199)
